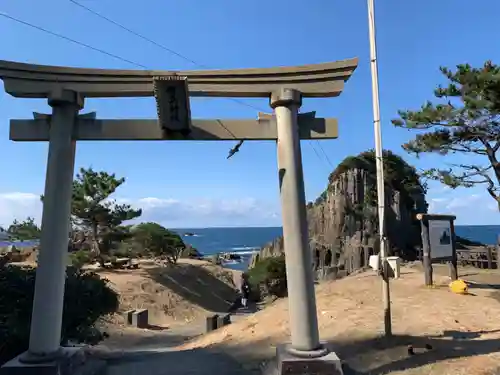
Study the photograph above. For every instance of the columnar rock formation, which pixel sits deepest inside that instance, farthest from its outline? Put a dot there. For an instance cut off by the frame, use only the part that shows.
(343, 222)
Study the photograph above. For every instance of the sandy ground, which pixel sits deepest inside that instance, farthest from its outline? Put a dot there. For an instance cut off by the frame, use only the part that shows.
(463, 331)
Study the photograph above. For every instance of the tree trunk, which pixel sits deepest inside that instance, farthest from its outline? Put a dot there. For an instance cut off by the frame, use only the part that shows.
(496, 169)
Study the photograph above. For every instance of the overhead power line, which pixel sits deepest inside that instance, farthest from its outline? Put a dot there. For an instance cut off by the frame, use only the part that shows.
(169, 50)
(324, 153)
(72, 40)
(155, 43)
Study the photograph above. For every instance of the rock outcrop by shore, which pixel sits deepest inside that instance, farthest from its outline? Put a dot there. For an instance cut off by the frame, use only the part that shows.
(343, 222)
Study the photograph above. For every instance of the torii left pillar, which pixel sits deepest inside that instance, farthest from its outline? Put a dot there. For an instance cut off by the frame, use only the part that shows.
(45, 354)
(46, 319)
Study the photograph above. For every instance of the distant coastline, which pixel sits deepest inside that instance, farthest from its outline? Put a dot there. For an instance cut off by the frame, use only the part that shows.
(247, 240)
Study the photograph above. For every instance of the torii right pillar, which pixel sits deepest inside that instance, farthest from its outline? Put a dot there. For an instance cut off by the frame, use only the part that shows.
(305, 354)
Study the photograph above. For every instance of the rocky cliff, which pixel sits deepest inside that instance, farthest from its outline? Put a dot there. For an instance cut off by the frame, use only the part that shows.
(343, 222)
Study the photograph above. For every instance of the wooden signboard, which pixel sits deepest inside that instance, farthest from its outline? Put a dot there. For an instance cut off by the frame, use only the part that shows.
(438, 243)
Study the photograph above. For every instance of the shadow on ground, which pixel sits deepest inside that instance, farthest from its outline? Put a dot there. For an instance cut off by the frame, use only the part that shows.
(372, 356)
(484, 286)
(137, 341)
(196, 285)
(379, 355)
(187, 362)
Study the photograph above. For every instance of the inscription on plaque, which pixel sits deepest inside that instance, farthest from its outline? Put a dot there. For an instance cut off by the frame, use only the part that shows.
(172, 102)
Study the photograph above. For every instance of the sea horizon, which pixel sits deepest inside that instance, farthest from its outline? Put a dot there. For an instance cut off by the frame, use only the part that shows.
(246, 241)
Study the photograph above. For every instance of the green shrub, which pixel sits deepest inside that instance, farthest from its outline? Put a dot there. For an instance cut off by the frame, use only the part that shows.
(87, 297)
(268, 277)
(190, 252)
(81, 257)
(158, 241)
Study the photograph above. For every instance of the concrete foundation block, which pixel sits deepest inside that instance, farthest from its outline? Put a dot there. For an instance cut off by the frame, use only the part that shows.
(72, 361)
(223, 320)
(128, 316)
(212, 323)
(291, 364)
(140, 318)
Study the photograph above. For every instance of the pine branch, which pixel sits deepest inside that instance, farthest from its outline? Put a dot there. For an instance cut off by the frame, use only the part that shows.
(465, 119)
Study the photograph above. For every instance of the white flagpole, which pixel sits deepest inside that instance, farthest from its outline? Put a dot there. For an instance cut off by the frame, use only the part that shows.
(380, 170)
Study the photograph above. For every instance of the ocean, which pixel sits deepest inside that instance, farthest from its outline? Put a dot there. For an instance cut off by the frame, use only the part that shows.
(245, 241)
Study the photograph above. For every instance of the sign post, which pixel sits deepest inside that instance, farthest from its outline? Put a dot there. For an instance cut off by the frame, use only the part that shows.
(438, 243)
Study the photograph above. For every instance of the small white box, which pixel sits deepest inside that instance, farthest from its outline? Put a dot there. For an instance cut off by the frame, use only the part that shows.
(395, 266)
(374, 262)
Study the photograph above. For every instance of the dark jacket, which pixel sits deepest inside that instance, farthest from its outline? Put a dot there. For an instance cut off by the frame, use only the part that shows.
(244, 289)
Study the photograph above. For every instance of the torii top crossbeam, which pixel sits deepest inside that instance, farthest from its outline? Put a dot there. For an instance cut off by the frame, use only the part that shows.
(314, 81)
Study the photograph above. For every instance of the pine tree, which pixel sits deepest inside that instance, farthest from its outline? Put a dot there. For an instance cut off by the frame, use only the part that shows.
(465, 121)
(93, 210)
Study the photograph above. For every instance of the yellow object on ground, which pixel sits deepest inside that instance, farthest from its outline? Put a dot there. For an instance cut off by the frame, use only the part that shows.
(459, 287)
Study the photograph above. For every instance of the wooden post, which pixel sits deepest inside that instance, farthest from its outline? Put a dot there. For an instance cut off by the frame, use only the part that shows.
(426, 253)
(489, 254)
(453, 262)
(335, 262)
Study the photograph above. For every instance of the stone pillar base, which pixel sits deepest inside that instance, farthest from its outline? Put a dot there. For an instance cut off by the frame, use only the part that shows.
(72, 361)
(289, 364)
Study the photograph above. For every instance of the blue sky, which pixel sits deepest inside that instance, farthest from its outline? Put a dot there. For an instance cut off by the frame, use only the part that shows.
(192, 183)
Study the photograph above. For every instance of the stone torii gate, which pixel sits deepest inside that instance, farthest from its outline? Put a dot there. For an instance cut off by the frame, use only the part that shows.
(66, 88)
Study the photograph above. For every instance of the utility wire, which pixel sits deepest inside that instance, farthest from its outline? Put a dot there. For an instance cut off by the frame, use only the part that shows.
(324, 153)
(169, 50)
(157, 44)
(315, 151)
(72, 40)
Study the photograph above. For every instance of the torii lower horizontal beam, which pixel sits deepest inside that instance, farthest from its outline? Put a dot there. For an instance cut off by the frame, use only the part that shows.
(87, 129)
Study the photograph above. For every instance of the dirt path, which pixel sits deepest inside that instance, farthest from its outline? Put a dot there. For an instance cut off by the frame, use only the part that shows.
(450, 334)
(124, 338)
(187, 362)
(131, 351)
